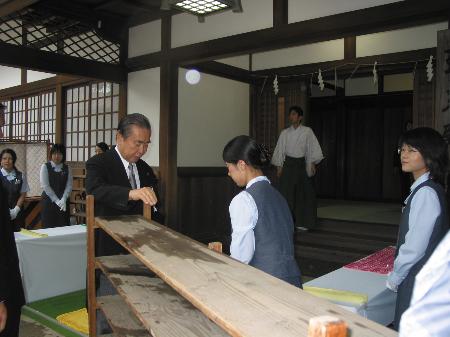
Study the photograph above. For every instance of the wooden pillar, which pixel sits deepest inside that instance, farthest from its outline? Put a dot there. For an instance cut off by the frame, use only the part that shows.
(280, 13)
(304, 102)
(59, 118)
(350, 48)
(442, 73)
(168, 128)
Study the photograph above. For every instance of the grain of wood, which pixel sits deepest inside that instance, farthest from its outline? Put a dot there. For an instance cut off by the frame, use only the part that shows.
(244, 301)
(121, 319)
(161, 309)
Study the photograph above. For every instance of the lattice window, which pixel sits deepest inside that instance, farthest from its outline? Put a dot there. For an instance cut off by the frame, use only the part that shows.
(5, 121)
(18, 119)
(92, 112)
(41, 30)
(31, 119)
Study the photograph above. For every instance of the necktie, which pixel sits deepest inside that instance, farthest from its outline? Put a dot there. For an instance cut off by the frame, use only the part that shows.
(132, 177)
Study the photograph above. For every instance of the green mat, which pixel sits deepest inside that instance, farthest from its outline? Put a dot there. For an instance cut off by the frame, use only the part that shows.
(46, 311)
(62, 304)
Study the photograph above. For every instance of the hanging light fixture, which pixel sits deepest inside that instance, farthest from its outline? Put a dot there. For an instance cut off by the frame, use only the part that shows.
(202, 8)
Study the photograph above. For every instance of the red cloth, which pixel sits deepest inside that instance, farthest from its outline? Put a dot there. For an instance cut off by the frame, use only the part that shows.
(381, 262)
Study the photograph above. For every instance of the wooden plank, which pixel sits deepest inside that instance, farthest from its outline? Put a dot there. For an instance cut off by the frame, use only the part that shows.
(120, 318)
(160, 308)
(12, 6)
(123, 264)
(221, 287)
(91, 266)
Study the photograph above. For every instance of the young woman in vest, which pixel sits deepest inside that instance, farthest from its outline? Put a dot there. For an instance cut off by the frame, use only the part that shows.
(261, 221)
(56, 181)
(424, 222)
(15, 183)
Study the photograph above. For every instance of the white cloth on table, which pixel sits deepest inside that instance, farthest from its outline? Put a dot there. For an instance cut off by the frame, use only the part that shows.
(52, 265)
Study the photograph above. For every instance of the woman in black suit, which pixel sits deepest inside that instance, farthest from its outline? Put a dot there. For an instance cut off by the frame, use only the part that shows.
(11, 291)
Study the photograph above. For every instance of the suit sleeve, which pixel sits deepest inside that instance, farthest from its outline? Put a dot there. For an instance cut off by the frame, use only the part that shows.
(4, 236)
(97, 184)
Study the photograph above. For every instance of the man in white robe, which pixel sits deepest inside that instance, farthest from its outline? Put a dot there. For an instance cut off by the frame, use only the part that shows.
(296, 155)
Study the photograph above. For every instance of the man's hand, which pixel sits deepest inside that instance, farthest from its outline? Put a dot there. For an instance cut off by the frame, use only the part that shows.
(279, 170)
(313, 169)
(146, 194)
(3, 316)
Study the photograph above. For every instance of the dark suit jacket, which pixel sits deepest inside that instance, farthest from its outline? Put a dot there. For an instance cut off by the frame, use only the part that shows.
(11, 289)
(107, 180)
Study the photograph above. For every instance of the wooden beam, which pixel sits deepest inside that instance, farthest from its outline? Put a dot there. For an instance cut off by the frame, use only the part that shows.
(13, 6)
(38, 86)
(59, 116)
(223, 70)
(387, 17)
(392, 62)
(280, 12)
(17, 56)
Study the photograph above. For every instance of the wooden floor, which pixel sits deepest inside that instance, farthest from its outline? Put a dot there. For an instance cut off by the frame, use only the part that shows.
(346, 231)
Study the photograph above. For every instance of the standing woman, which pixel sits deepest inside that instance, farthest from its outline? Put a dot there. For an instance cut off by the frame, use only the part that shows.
(56, 181)
(424, 222)
(16, 185)
(11, 291)
(261, 221)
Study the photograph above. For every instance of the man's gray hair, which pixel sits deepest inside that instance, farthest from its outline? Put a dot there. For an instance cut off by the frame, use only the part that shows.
(128, 121)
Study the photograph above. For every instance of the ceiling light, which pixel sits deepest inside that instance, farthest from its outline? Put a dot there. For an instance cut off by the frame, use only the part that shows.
(201, 8)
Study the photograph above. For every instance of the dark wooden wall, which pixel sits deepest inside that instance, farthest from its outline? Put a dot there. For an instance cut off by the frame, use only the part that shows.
(359, 137)
(204, 194)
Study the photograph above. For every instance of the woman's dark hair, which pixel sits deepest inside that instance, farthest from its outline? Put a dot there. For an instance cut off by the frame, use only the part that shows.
(433, 148)
(128, 121)
(59, 148)
(246, 149)
(103, 146)
(13, 155)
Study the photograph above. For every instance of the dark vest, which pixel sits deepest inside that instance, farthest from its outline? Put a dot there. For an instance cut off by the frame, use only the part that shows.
(57, 180)
(13, 188)
(440, 228)
(274, 232)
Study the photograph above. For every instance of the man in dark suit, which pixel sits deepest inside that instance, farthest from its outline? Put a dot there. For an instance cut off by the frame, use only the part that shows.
(11, 291)
(120, 180)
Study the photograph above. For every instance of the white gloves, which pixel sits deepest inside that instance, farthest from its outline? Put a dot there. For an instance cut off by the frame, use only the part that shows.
(61, 203)
(13, 212)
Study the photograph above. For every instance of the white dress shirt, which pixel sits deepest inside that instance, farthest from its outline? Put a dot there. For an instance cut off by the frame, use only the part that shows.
(425, 208)
(134, 167)
(244, 216)
(429, 313)
(12, 175)
(45, 184)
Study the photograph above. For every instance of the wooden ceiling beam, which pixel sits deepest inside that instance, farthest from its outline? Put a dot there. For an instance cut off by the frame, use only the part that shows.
(396, 15)
(13, 6)
(29, 58)
(223, 70)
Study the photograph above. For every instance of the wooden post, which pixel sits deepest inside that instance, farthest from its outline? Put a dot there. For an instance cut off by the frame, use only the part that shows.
(92, 306)
(147, 212)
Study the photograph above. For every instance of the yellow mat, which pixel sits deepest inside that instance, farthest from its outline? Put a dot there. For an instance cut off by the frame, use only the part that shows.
(340, 296)
(31, 233)
(77, 320)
